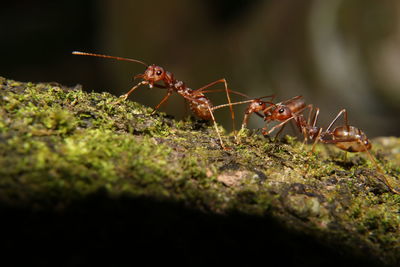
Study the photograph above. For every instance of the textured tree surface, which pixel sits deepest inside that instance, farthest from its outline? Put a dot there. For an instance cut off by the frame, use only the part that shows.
(85, 180)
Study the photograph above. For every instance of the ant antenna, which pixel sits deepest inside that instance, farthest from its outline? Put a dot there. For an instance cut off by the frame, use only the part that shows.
(267, 96)
(106, 56)
(250, 98)
(234, 103)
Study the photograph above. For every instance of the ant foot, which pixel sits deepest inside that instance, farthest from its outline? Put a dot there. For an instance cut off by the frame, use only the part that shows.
(120, 99)
(241, 134)
(123, 97)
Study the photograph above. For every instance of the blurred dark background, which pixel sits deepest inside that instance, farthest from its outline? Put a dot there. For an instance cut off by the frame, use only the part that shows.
(337, 54)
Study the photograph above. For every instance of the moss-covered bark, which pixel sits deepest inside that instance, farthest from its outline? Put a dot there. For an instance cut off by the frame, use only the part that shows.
(80, 169)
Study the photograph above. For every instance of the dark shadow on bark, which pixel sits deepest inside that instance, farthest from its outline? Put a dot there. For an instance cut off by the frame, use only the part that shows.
(105, 231)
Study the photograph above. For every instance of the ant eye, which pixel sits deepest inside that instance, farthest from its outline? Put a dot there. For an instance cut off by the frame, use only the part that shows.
(281, 110)
(159, 72)
(260, 103)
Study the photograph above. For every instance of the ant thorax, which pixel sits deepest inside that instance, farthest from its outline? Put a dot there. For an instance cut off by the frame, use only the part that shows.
(313, 132)
(180, 86)
(184, 91)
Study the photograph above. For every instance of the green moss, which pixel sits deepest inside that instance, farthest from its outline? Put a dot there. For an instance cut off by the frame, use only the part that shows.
(58, 145)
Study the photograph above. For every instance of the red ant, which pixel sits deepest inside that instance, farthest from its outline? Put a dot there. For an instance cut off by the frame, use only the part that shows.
(346, 137)
(198, 102)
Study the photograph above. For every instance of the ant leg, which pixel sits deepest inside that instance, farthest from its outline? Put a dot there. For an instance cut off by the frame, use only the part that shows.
(159, 86)
(211, 113)
(216, 129)
(222, 90)
(247, 116)
(227, 105)
(317, 139)
(169, 93)
(259, 115)
(337, 117)
(303, 128)
(245, 120)
(223, 80)
(230, 108)
(379, 169)
(230, 104)
(290, 100)
(279, 132)
(249, 110)
(201, 89)
(125, 96)
(385, 180)
(315, 117)
(265, 132)
(301, 122)
(309, 114)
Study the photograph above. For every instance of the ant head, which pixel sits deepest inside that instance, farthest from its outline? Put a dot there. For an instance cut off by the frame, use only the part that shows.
(280, 112)
(256, 105)
(154, 74)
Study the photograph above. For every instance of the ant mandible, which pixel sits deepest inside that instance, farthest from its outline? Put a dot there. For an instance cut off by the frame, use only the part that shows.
(200, 105)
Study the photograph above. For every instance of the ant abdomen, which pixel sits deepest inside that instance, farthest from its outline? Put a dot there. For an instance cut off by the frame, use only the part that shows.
(351, 139)
(201, 107)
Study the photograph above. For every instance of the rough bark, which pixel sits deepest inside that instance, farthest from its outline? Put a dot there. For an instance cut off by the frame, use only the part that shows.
(83, 174)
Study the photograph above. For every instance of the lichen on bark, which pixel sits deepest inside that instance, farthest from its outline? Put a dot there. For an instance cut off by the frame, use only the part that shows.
(60, 146)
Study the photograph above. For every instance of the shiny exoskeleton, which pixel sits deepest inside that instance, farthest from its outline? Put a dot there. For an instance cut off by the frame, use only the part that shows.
(345, 137)
(348, 138)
